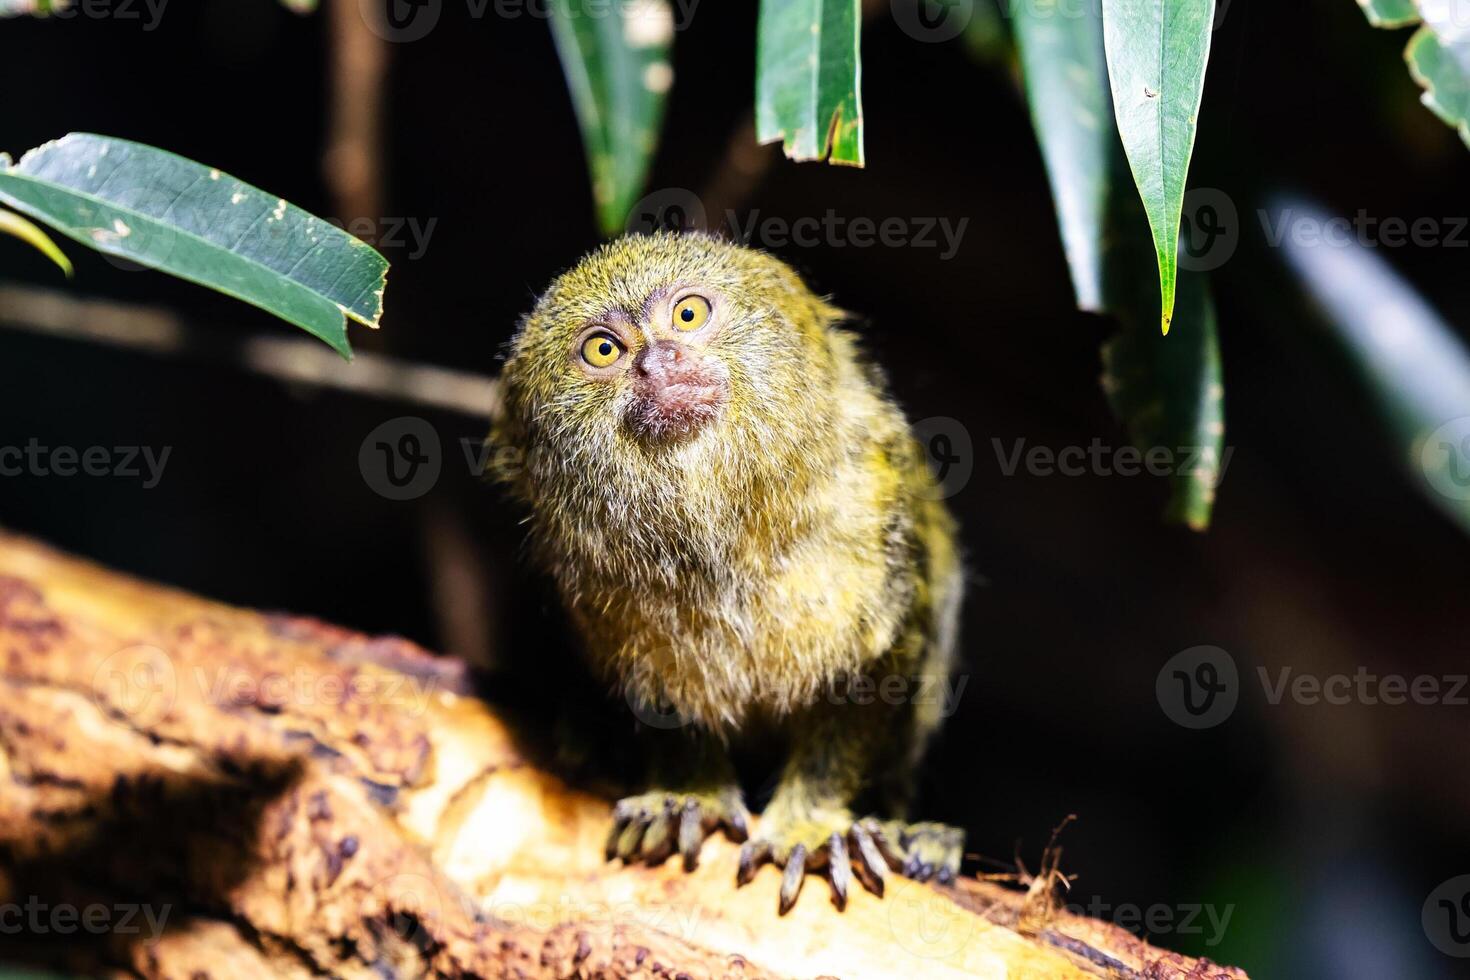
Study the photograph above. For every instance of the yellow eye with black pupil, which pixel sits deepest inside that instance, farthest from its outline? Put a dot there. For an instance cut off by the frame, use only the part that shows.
(601, 351)
(691, 312)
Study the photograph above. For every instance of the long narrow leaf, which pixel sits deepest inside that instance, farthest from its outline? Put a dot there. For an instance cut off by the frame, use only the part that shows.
(1415, 365)
(1063, 65)
(168, 213)
(1171, 394)
(1157, 51)
(808, 79)
(15, 226)
(1168, 393)
(616, 61)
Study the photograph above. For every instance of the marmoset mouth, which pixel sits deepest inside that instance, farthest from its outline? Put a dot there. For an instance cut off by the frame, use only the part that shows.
(677, 391)
(676, 410)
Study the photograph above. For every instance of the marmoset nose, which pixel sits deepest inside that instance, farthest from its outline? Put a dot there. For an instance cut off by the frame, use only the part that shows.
(659, 360)
(676, 390)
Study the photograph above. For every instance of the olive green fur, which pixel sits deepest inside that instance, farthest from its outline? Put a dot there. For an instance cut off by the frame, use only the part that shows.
(740, 575)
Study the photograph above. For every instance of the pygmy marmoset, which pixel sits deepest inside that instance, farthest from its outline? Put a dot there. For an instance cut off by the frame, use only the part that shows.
(743, 529)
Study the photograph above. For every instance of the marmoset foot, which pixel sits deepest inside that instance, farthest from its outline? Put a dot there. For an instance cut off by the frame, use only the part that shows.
(920, 850)
(838, 845)
(650, 826)
(818, 841)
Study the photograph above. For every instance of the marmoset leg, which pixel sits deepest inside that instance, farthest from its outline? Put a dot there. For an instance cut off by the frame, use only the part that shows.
(693, 792)
(839, 750)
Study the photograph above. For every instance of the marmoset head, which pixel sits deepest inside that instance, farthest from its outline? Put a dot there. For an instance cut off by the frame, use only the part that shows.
(668, 351)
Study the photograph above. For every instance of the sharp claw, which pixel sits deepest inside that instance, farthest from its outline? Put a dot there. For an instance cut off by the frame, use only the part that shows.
(691, 835)
(752, 853)
(632, 834)
(658, 838)
(612, 838)
(911, 867)
(738, 827)
(886, 847)
(926, 871)
(841, 869)
(792, 877)
(871, 871)
(945, 877)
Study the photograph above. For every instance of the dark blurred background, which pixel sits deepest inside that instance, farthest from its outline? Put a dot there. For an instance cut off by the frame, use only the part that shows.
(1319, 830)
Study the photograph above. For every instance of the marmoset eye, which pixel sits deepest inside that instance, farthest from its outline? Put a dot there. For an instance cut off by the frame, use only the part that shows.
(601, 350)
(691, 313)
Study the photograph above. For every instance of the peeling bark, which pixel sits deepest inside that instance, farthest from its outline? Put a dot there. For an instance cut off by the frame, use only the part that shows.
(268, 795)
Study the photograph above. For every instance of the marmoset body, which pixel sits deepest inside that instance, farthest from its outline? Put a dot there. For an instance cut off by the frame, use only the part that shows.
(745, 533)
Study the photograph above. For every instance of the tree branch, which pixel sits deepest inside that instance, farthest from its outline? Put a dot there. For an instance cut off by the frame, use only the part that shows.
(270, 795)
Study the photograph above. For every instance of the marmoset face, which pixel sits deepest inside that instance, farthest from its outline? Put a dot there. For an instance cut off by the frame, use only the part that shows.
(667, 340)
(671, 382)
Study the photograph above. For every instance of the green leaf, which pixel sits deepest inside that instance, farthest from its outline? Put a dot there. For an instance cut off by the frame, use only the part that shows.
(985, 33)
(164, 212)
(1168, 393)
(1062, 65)
(616, 61)
(1443, 70)
(1414, 363)
(1157, 51)
(1171, 394)
(1438, 54)
(18, 8)
(808, 79)
(14, 225)
(1390, 13)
